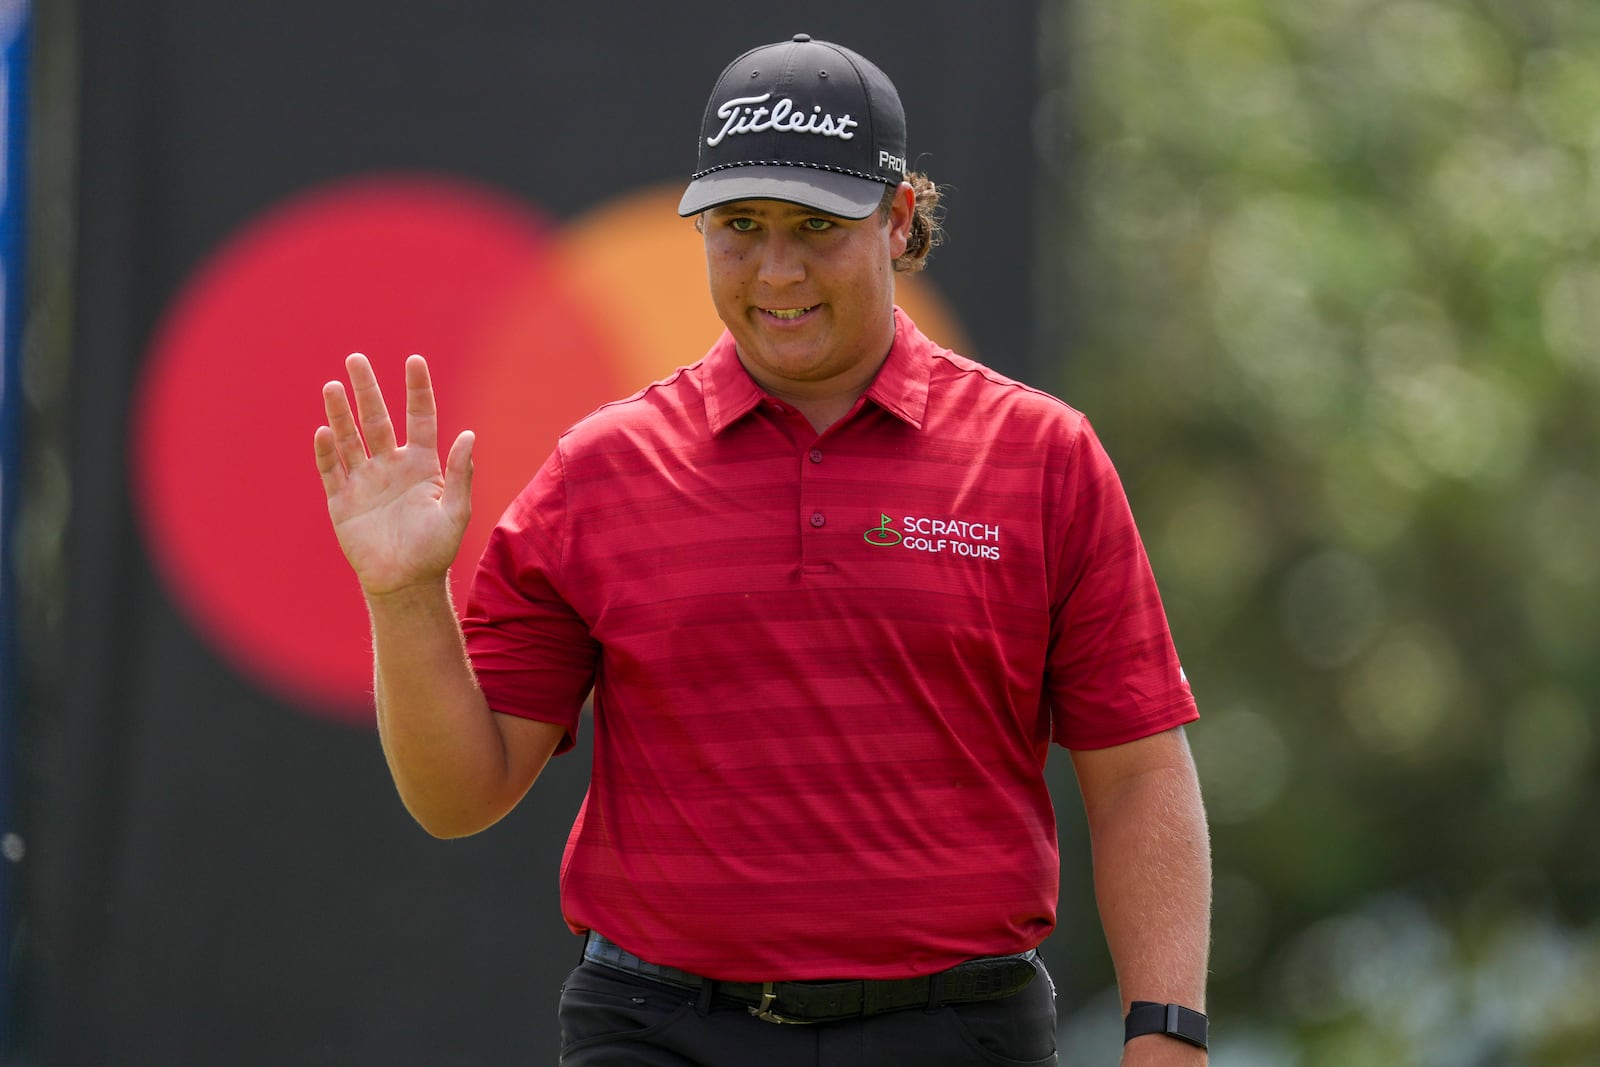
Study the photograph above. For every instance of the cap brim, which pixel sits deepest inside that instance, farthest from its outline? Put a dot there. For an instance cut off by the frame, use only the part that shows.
(828, 191)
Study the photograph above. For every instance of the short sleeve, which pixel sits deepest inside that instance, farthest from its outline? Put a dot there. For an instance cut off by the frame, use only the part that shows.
(1112, 673)
(533, 654)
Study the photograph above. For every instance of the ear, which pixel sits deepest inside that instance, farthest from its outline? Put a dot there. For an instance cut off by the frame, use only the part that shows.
(901, 212)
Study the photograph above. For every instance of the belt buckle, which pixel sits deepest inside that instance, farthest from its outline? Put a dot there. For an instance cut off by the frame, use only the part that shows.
(764, 1009)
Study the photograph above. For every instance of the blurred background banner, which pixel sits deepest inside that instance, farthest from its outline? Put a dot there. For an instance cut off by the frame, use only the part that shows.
(220, 871)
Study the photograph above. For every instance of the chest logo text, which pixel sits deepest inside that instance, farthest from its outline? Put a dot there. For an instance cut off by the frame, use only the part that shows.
(957, 537)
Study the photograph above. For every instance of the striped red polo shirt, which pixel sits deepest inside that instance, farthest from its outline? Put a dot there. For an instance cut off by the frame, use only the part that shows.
(826, 668)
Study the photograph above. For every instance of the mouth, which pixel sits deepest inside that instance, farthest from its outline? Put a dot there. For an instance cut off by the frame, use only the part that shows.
(787, 314)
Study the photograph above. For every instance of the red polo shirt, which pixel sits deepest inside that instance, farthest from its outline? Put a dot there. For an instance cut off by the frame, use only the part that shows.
(826, 668)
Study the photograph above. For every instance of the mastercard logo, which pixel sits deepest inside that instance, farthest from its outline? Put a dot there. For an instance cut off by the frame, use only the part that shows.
(528, 324)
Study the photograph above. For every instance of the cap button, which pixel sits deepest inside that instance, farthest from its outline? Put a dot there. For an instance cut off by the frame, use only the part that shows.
(802, 38)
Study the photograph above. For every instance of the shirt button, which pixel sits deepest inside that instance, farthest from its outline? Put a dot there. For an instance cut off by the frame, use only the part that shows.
(817, 519)
(816, 455)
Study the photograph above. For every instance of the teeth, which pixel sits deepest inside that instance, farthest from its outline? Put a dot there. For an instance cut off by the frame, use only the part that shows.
(788, 313)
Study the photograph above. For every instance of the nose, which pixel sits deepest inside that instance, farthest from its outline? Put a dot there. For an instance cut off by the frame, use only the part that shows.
(782, 261)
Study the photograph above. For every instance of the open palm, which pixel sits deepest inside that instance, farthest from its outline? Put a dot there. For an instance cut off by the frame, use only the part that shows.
(398, 515)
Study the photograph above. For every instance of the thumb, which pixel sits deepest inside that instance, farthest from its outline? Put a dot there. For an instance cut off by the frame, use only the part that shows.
(458, 477)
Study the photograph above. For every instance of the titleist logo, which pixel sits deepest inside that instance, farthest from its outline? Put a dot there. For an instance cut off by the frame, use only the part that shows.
(746, 115)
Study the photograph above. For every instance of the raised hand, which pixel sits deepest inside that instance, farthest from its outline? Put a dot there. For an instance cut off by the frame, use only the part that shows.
(399, 517)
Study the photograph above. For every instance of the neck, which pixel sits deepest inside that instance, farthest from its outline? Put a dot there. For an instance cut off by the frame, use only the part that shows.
(823, 415)
(825, 401)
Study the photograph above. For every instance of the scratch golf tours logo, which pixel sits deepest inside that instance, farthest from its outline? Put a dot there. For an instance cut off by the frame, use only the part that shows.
(958, 537)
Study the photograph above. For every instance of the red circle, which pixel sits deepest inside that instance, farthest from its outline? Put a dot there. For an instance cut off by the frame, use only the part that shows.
(229, 396)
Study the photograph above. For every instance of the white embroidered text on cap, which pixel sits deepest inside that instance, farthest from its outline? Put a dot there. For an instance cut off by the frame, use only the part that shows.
(740, 118)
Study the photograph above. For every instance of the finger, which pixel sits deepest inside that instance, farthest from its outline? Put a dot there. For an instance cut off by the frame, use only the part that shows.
(328, 463)
(352, 451)
(375, 424)
(458, 478)
(422, 422)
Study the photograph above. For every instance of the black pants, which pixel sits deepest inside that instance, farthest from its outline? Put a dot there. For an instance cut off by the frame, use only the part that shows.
(610, 1019)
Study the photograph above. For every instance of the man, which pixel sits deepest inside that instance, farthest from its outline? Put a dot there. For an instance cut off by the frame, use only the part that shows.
(835, 589)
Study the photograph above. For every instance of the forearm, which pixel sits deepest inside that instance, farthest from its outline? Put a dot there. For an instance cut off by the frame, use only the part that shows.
(1152, 865)
(444, 749)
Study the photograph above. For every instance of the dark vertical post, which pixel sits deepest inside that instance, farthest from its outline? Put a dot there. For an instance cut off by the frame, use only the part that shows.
(14, 25)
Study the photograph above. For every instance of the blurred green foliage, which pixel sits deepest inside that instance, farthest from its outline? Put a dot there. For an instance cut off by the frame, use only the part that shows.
(1327, 285)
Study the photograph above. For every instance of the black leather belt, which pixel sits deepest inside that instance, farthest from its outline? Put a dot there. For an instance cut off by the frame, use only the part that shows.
(986, 978)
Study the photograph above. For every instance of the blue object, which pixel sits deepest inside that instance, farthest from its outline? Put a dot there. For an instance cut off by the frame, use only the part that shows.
(15, 24)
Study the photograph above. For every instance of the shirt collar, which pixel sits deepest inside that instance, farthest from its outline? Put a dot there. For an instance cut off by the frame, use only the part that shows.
(730, 392)
(900, 386)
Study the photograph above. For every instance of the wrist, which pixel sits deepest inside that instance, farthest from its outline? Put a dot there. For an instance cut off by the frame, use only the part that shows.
(1158, 1052)
(424, 592)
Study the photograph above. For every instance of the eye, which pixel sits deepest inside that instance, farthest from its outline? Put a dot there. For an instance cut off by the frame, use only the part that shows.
(741, 224)
(818, 225)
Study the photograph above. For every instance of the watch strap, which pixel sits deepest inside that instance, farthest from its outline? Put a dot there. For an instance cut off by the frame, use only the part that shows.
(1173, 1020)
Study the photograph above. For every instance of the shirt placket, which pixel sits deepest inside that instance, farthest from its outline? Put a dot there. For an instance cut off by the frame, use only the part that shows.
(815, 503)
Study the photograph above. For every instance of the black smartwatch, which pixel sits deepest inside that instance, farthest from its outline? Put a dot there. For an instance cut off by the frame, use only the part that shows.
(1174, 1020)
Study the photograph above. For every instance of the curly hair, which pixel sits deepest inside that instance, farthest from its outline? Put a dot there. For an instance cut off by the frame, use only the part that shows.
(926, 229)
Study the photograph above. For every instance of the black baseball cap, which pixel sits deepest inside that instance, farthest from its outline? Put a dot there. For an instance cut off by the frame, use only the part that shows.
(808, 122)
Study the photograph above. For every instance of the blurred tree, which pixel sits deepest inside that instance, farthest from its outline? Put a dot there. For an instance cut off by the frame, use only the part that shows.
(1325, 279)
